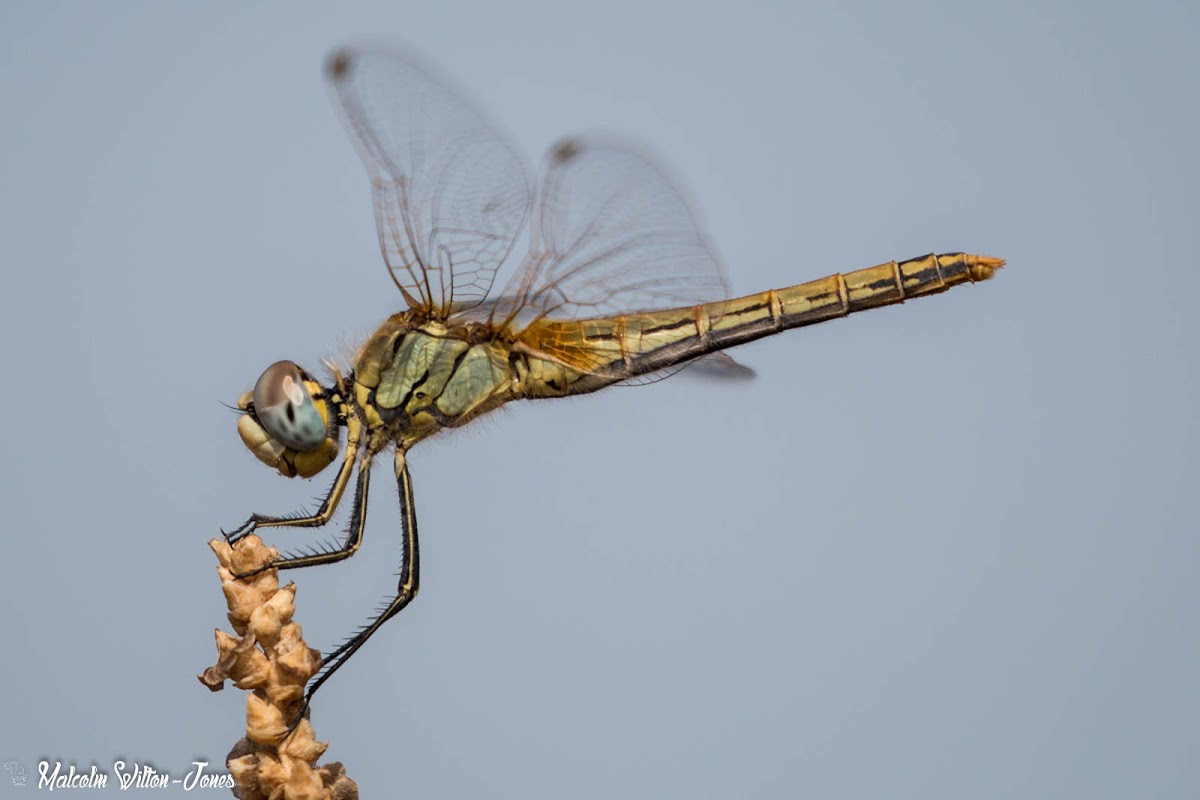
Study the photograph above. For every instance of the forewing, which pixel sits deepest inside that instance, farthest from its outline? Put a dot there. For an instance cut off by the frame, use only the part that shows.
(450, 194)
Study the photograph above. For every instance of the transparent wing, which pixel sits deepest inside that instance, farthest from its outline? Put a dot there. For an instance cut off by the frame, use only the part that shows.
(611, 234)
(450, 194)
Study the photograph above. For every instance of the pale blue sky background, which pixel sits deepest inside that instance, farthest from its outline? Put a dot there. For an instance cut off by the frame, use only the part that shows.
(944, 550)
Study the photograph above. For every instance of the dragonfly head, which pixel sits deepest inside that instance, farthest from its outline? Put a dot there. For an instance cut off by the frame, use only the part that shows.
(286, 422)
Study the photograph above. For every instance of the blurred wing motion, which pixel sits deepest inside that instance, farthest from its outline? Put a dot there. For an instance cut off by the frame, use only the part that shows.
(610, 235)
(450, 194)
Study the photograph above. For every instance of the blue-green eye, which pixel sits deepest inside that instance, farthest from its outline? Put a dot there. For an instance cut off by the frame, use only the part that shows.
(286, 409)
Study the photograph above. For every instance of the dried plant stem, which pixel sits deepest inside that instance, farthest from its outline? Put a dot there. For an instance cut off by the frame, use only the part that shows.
(268, 657)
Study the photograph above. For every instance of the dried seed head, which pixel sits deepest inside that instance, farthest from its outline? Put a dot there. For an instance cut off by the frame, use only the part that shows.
(269, 657)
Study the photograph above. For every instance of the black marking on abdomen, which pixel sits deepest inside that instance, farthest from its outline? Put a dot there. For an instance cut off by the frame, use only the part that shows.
(683, 323)
(883, 283)
(745, 310)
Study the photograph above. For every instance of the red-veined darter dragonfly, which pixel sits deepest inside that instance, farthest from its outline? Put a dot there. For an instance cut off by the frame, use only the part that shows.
(619, 285)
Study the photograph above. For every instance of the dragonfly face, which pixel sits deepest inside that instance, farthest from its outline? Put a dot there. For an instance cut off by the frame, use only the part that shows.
(618, 285)
(287, 422)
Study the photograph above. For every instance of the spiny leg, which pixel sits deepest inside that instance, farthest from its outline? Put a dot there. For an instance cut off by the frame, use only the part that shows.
(410, 579)
(354, 532)
(323, 515)
(328, 505)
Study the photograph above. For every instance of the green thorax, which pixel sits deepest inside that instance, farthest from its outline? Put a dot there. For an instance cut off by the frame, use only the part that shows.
(415, 379)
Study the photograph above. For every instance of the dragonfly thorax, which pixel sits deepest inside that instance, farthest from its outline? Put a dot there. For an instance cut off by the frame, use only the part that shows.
(415, 379)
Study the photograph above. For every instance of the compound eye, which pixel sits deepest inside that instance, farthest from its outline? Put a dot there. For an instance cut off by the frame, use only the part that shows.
(285, 408)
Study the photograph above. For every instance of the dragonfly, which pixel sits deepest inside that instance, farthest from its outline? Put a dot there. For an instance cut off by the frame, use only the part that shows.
(618, 285)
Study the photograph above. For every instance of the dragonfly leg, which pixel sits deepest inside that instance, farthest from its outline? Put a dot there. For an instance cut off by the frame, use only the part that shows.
(354, 533)
(328, 505)
(410, 578)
